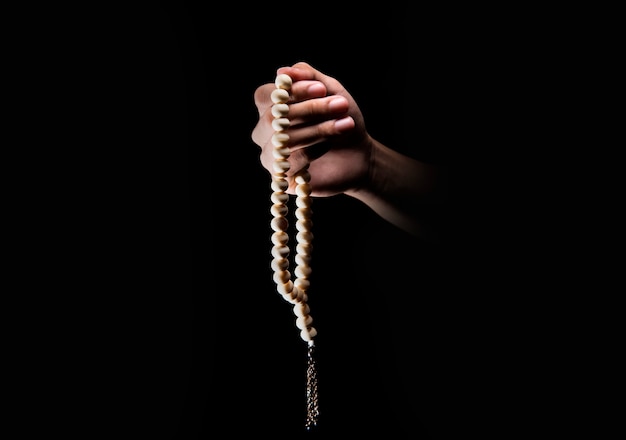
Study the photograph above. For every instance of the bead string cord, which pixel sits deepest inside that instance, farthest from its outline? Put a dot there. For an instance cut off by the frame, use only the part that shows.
(295, 292)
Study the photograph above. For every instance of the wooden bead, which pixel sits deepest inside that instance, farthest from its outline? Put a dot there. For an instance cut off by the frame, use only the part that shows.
(304, 248)
(280, 96)
(279, 197)
(303, 190)
(280, 237)
(281, 152)
(280, 264)
(304, 202)
(280, 110)
(280, 124)
(280, 224)
(302, 260)
(282, 276)
(303, 271)
(304, 224)
(280, 139)
(280, 210)
(302, 284)
(281, 165)
(301, 309)
(304, 237)
(280, 251)
(303, 213)
(295, 292)
(304, 322)
(291, 298)
(283, 81)
(279, 185)
(303, 177)
(286, 288)
(308, 334)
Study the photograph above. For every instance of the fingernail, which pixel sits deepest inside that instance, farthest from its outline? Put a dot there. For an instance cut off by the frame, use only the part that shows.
(338, 104)
(344, 124)
(316, 89)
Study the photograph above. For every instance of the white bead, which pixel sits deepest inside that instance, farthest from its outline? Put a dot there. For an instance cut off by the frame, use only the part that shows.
(303, 177)
(303, 260)
(281, 165)
(280, 124)
(280, 238)
(281, 152)
(303, 202)
(286, 288)
(302, 284)
(279, 185)
(280, 110)
(303, 189)
(282, 276)
(279, 264)
(280, 96)
(303, 271)
(283, 81)
(298, 295)
(281, 224)
(279, 197)
(304, 248)
(304, 322)
(279, 210)
(290, 298)
(280, 139)
(280, 251)
(304, 236)
(301, 309)
(293, 292)
(308, 334)
(303, 213)
(304, 224)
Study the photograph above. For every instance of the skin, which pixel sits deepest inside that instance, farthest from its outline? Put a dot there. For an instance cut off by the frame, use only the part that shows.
(327, 130)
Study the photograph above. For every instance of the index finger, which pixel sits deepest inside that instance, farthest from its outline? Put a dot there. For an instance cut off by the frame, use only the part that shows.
(304, 71)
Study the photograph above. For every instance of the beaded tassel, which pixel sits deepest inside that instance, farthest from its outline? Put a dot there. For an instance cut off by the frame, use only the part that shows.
(312, 409)
(294, 292)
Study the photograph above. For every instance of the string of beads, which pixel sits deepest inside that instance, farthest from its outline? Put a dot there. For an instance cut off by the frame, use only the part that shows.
(293, 291)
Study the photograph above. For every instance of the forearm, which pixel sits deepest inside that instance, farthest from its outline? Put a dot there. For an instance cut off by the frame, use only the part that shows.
(404, 191)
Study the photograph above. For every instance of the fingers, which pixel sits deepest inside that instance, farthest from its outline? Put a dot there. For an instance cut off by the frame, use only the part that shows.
(303, 71)
(305, 112)
(300, 91)
(319, 109)
(310, 121)
(314, 134)
(309, 105)
(304, 135)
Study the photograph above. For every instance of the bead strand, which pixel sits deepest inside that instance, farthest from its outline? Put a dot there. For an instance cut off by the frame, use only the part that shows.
(294, 292)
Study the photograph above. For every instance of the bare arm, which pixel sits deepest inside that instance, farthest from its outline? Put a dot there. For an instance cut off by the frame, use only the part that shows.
(328, 131)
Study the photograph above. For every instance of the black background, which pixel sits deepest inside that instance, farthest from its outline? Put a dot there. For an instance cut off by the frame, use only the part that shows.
(153, 229)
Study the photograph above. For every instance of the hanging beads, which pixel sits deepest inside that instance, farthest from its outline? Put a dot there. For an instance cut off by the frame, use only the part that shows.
(294, 291)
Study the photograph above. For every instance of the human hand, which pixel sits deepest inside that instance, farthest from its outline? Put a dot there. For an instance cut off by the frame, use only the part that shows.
(326, 131)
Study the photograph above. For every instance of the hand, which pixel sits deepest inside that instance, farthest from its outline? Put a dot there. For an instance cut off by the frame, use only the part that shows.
(326, 131)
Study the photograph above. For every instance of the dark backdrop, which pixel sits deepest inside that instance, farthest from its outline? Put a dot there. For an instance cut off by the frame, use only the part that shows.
(176, 331)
